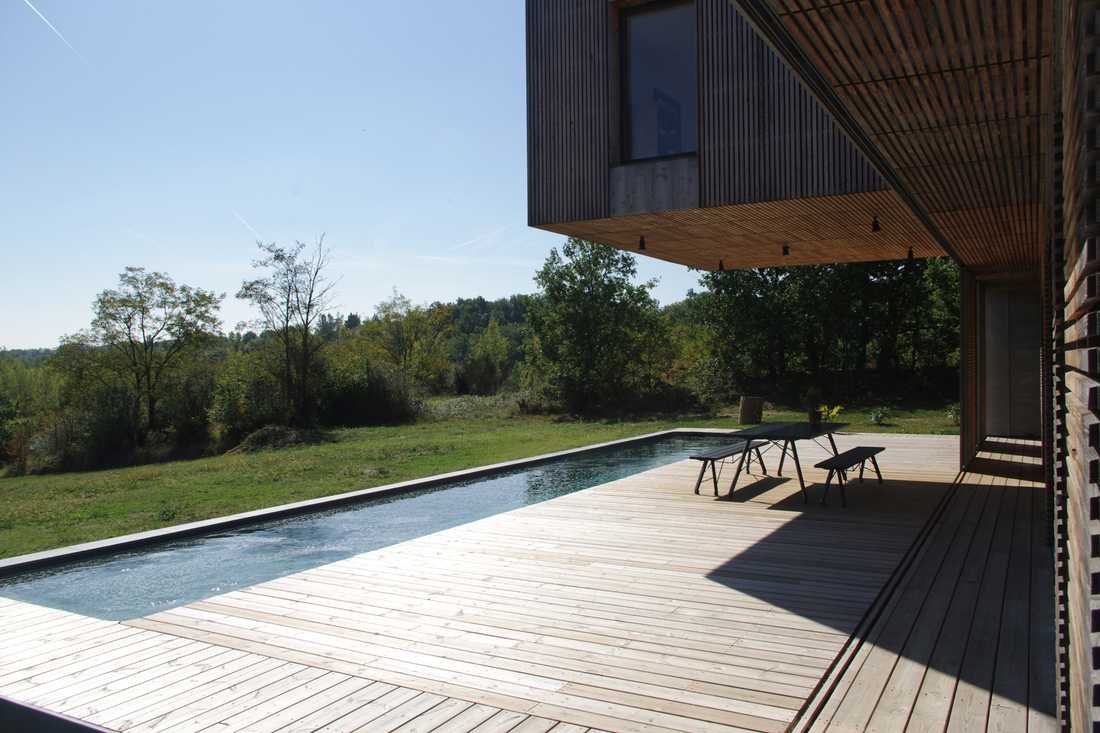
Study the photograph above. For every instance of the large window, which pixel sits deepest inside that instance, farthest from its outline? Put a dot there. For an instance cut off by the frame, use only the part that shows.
(659, 80)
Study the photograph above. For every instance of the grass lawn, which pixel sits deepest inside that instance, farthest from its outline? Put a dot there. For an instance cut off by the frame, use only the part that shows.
(42, 512)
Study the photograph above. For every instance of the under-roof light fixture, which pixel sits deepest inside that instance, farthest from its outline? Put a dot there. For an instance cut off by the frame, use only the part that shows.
(875, 226)
(641, 243)
(786, 249)
(721, 266)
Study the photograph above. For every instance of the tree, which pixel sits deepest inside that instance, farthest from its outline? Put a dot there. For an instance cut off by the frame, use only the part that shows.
(150, 324)
(352, 321)
(413, 341)
(487, 367)
(292, 296)
(595, 335)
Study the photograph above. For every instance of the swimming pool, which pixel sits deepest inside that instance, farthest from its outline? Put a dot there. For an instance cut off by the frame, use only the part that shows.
(128, 584)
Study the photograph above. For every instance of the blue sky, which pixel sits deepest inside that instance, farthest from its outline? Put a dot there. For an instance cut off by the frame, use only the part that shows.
(175, 129)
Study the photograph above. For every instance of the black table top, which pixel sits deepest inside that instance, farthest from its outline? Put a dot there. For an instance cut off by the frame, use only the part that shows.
(790, 430)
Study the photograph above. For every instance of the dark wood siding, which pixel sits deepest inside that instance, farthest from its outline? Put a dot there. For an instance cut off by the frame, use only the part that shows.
(567, 110)
(763, 137)
(1077, 367)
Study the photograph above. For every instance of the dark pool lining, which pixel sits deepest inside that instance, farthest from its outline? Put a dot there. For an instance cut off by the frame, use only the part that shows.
(62, 555)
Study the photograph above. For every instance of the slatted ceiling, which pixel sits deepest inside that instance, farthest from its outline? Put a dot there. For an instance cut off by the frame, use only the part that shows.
(567, 110)
(957, 96)
(762, 136)
(819, 231)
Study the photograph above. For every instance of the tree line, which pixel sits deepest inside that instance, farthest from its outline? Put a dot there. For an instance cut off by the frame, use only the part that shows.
(154, 376)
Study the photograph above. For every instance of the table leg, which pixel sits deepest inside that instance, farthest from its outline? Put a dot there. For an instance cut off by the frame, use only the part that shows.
(877, 472)
(797, 466)
(737, 474)
(760, 460)
(714, 477)
(782, 457)
(702, 472)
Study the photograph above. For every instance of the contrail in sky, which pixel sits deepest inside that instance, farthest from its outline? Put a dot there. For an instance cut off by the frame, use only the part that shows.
(484, 237)
(57, 32)
(248, 226)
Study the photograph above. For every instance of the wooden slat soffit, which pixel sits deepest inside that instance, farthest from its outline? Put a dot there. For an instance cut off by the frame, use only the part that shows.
(956, 96)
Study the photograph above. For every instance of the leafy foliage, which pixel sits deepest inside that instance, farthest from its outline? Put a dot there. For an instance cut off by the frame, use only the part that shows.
(141, 333)
(596, 337)
(292, 297)
(151, 379)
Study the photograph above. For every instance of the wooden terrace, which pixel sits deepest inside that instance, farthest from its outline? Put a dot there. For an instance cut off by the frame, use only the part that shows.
(632, 606)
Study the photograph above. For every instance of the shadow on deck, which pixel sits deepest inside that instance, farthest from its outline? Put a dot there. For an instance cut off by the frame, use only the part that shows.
(959, 636)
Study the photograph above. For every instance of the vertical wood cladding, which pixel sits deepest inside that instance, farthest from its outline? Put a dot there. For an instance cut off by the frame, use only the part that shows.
(567, 110)
(1079, 419)
(762, 136)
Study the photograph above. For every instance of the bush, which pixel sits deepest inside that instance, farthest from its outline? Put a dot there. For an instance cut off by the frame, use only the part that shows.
(246, 397)
(277, 436)
(468, 407)
(355, 392)
(880, 415)
(954, 413)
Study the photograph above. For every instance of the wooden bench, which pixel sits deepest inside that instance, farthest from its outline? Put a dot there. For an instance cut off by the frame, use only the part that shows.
(840, 464)
(736, 448)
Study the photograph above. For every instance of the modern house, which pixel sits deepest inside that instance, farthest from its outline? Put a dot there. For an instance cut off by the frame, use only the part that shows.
(724, 134)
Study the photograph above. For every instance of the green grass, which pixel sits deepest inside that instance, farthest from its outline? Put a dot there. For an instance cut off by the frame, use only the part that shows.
(42, 512)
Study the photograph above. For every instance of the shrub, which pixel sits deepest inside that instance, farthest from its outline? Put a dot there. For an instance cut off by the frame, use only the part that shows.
(356, 392)
(246, 398)
(880, 415)
(468, 407)
(954, 413)
(278, 436)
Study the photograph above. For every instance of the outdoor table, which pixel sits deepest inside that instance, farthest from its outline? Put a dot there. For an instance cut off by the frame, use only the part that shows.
(785, 436)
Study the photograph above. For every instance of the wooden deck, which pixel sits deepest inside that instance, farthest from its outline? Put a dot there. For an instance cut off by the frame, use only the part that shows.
(632, 606)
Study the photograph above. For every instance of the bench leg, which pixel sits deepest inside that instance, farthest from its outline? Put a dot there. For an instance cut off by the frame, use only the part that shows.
(714, 477)
(760, 460)
(825, 494)
(877, 472)
(702, 472)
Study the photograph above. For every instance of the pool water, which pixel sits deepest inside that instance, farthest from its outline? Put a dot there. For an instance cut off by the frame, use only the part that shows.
(152, 578)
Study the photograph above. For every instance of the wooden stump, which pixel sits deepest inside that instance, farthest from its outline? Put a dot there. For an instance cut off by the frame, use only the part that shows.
(752, 410)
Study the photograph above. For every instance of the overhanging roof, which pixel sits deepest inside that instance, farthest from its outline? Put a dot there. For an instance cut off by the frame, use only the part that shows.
(949, 99)
(819, 230)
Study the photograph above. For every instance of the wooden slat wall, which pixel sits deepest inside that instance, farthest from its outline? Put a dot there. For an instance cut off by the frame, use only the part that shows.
(1079, 397)
(762, 136)
(567, 110)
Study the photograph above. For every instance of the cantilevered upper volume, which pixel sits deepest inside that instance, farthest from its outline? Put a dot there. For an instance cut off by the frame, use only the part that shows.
(675, 122)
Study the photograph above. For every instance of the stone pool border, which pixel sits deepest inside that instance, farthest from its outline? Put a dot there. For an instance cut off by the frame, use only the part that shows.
(45, 558)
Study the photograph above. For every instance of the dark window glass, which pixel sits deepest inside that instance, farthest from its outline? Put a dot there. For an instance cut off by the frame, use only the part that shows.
(659, 87)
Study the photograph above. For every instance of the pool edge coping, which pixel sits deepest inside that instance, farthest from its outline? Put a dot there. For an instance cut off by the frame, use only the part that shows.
(43, 558)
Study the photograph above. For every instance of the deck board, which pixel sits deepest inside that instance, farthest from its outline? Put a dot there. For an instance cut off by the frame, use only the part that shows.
(632, 606)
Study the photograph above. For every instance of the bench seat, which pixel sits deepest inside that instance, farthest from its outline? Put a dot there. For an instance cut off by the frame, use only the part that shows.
(841, 463)
(738, 447)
